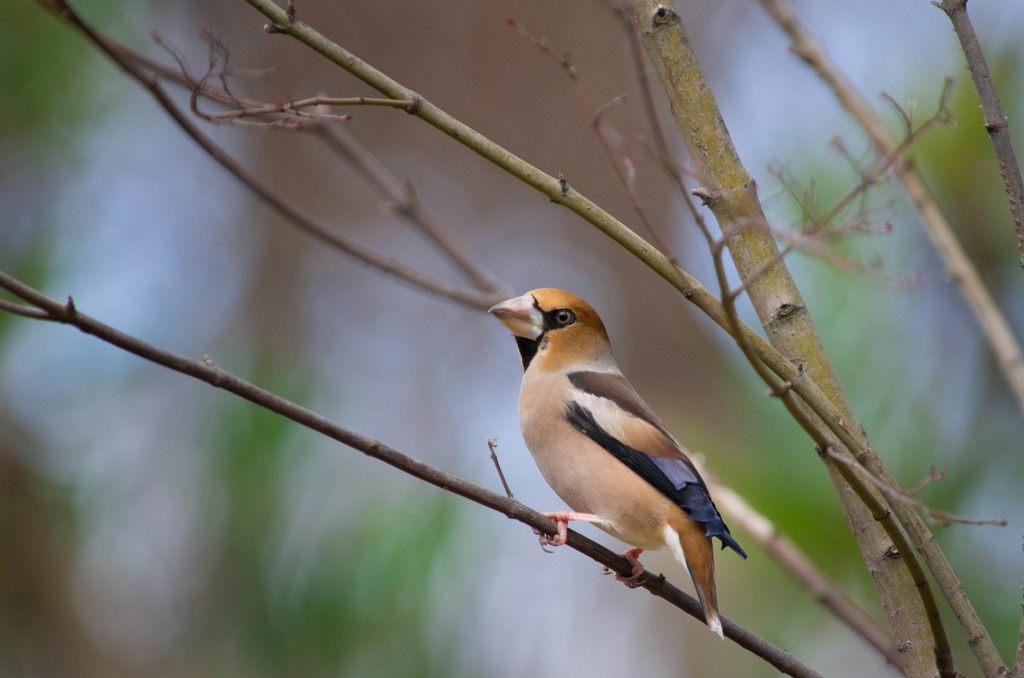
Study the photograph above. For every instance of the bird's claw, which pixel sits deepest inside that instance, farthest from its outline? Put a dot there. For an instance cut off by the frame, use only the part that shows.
(633, 580)
(545, 541)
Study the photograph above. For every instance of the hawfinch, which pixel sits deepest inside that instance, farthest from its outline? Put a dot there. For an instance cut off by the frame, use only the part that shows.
(601, 448)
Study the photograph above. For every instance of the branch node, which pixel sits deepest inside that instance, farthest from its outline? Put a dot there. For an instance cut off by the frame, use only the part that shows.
(69, 307)
(415, 104)
(707, 198)
(272, 29)
(787, 311)
(663, 16)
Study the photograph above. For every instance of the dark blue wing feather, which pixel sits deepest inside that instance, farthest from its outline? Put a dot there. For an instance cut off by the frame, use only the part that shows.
(671, 477)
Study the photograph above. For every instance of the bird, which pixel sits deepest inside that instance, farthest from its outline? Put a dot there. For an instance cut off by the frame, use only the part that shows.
(602, 449)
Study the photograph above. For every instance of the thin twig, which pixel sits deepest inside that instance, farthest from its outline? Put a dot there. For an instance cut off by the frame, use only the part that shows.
(623, 171)
(22, 310)
(997, 330)
(294, 108)
(491, 444)
(400, 195)
(404, 201)
(932, 476)
(995, 121)
(293, 214)
(203, 371)
(933, 516)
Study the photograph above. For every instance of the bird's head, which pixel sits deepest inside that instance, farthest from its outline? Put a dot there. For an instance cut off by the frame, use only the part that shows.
(556, 331)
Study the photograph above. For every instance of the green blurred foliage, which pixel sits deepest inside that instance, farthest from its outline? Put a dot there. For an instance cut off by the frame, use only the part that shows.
(349, 599)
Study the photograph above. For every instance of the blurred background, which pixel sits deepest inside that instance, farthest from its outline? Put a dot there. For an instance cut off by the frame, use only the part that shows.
(150, 525)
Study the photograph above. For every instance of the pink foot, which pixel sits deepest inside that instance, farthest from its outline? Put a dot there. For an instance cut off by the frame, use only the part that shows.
(562, 518)
(633, 556)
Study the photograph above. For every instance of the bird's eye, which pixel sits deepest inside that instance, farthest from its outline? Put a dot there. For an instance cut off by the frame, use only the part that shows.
(564, 316)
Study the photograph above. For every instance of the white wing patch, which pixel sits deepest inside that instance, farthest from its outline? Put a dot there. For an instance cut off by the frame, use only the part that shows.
(607, 414)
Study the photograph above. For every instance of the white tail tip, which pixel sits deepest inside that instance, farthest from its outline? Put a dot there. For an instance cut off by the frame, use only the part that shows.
(716, 626)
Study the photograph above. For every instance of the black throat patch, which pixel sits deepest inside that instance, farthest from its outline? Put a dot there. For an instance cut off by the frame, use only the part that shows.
(528, 349)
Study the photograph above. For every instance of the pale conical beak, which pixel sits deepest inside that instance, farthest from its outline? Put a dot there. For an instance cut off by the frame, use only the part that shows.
(521, 316)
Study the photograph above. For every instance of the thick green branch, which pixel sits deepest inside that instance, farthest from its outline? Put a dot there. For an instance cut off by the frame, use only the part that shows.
(963, 271)
(732, 196)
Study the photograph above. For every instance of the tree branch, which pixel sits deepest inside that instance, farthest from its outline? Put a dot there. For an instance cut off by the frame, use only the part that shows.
(1017, 670)
(400, 196)
(732, 196)
(407, 205)
(779, 546)
(292, 213)
(995, 121)
(943, 655)
(206, 371)
(993, 323)
(997, 330)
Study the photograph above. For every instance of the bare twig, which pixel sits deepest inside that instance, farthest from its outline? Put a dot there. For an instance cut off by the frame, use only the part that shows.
(401, 196)
(623, 170)
(404, 201)
(932, 476)
(934, 516)
(995, 121)
(491, 444)
(22, 310)
(295, 215)
(203, 371)
(294, 108)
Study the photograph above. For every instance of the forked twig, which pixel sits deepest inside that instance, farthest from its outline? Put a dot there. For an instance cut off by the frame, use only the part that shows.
(933, 516)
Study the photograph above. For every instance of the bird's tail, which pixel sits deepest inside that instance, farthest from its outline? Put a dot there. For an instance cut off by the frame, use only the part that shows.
(694, 550)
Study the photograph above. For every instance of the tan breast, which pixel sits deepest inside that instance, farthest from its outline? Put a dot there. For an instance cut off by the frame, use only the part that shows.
(586, 476)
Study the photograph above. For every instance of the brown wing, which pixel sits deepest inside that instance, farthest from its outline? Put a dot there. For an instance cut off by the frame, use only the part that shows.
(608, 410)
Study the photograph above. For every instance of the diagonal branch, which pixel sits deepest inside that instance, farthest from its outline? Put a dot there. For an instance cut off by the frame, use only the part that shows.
(779, 546)
(997, 330)
(205, 371)
(401, 196)
(934, 516)
(732, 197)
(943, 655)
(292, 213)
(404, 201)
(995, 121)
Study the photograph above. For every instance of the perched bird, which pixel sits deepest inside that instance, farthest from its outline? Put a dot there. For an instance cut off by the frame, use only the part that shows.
(600, 446)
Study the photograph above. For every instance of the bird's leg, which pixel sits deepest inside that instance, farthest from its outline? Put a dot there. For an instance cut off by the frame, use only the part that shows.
(563, 518)
(633, 556)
